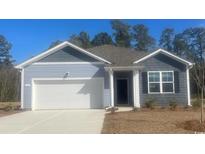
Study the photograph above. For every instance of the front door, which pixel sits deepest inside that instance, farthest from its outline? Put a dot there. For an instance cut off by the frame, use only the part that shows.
(122, 91)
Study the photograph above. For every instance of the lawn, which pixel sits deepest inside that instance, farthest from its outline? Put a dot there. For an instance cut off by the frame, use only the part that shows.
(149, 121)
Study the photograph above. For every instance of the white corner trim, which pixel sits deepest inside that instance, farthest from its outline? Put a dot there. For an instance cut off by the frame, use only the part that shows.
(111, 78)
(136, 91)
(188, 87)
(22, 88)
(64, 63)
(33, 95)
(166, 53)
(56, 48)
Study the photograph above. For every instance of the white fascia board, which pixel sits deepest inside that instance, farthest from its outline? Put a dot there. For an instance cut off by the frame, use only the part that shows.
(56, 48)
(166, 53)
(116, 68)
(66, 63)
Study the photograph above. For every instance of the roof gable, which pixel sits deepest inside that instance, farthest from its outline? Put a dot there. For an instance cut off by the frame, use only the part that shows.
(57, 48)
(68, 54)
(165, 53)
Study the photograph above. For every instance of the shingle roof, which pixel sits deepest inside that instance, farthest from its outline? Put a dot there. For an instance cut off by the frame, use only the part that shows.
(118, 56)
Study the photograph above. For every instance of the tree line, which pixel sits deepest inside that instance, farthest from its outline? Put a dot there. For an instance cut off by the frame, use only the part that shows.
(9, 76)
(189, 44)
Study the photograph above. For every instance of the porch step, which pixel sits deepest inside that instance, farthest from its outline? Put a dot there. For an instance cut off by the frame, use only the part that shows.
(121, 109)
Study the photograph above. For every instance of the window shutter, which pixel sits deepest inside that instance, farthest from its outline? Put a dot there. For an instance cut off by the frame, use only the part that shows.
(144, 83)
(176, 82)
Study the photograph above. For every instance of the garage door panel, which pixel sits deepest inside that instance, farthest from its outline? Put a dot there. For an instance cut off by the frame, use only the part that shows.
(64, 94)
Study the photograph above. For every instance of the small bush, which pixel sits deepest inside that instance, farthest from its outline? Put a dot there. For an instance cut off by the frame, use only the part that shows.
(196, 103)
(172, 105)
(187, 108)
(150, 103)
(7, 106)
(135, 109)
(193, 125)
(163, 107)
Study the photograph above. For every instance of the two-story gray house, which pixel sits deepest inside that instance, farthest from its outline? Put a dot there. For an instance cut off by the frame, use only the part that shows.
(69, 77)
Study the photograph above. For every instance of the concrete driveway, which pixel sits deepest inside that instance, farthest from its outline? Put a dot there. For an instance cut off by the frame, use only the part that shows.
(53, 121)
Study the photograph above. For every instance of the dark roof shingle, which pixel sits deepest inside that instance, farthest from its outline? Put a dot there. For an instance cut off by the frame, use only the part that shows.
(118, 56)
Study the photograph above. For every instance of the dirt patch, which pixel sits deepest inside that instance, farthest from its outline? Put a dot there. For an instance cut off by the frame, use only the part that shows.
(193, 125)
(149, 121)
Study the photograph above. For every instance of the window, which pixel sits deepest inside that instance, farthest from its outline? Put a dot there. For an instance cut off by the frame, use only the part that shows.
(161, 82)
(167, 82)
(154, 82)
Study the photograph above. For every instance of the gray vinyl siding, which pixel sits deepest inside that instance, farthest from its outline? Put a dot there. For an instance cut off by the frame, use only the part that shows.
(58, 71)
(68, 54)
(164, 63)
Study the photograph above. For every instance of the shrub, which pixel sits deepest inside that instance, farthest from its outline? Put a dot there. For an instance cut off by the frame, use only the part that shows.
(135, 109)
(196, 103)
(172, 105)
(150, 103)
(7, 106)
(162, 107)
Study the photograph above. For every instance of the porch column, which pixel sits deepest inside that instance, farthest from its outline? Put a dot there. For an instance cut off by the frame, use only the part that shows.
(111, 87)
(136, 91)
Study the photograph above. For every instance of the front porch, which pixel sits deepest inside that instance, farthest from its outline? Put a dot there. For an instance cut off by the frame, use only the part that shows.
(124, 86)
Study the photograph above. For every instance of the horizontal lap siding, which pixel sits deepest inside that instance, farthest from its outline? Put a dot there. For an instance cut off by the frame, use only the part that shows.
(161, 63)
(58, 71)
(68, 54)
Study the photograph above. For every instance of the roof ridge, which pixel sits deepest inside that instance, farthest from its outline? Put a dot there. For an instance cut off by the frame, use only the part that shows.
(101, 46)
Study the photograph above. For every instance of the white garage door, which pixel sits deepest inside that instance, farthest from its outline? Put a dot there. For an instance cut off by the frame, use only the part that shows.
(68, 94)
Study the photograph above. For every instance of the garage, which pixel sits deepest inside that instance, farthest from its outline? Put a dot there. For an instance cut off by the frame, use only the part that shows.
(67, 93)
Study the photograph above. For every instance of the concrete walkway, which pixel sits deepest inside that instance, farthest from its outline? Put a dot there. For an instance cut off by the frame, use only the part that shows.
(53, 122)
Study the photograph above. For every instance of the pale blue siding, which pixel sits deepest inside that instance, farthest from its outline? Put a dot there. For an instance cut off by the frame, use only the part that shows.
(68, 54)
(58, 71)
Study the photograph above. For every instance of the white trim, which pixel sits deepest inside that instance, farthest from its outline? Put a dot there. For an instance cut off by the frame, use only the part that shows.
(22, 88)
(69, 78)
(56, 48)
(166, 53)
(188, 87)
(123, 68)
(61, 79)
(32, 95)
(63, 63)
(111, 78)
(160, 82)
(136, 91)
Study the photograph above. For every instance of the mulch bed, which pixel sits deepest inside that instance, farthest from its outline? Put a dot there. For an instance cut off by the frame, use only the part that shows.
(192, 125)
(146, 121)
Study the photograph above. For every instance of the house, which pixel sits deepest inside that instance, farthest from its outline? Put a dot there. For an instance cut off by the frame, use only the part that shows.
(69, 77)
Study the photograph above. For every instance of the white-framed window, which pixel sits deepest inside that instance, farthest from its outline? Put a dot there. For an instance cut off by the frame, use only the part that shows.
(160, 82)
